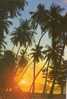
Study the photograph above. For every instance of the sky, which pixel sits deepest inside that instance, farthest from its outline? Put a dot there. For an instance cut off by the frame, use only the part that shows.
(32, 6)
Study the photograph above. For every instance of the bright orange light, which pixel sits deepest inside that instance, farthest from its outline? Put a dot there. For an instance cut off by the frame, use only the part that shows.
(24, 81)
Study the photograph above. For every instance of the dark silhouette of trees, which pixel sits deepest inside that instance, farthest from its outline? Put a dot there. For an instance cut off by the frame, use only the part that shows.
(23, 35)
(23, 59)
(8, 9)
(51, 21)
(11, 7)
(37, 54)
(7, 71)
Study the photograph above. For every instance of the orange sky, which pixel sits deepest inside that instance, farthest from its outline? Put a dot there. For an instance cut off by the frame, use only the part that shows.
(24, 81)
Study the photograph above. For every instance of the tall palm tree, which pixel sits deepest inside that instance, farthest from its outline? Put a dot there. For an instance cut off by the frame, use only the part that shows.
(37, 54)
(54, 56)
(43, 57)
(53, 26)
(23, 35)
(37, 50)
(62, 42)
(51, 56)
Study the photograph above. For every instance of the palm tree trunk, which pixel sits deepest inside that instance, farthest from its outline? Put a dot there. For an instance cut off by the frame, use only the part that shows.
(17, 58)
(66, 88)
(37, 75)
(33, 88)
(62, 89)
(45, 84)
(52, 87)
(44, 89)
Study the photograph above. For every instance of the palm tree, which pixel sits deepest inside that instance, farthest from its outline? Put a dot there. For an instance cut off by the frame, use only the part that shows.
(62, 39)
(51, 56)
(39, 17)
(38, 74)
(11, 7)
(49, 20)
(4, 25)
(54, 55)
(23, 59)
(2, 43)
(53, 26)
(8, 8)
(36, 51)
(59, 74)
(37, 54)
(23, 35)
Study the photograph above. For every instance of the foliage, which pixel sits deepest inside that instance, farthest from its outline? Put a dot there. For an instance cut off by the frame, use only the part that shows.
(23, 34)
(7, 69)
(37, 53)
(11, 7)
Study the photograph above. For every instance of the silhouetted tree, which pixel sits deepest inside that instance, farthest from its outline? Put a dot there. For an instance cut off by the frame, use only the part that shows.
(7, 71)
(23, 35)
(37, 54)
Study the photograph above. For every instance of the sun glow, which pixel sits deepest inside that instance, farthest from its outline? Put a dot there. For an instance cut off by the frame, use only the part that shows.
(24, 78)
(23, 82)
